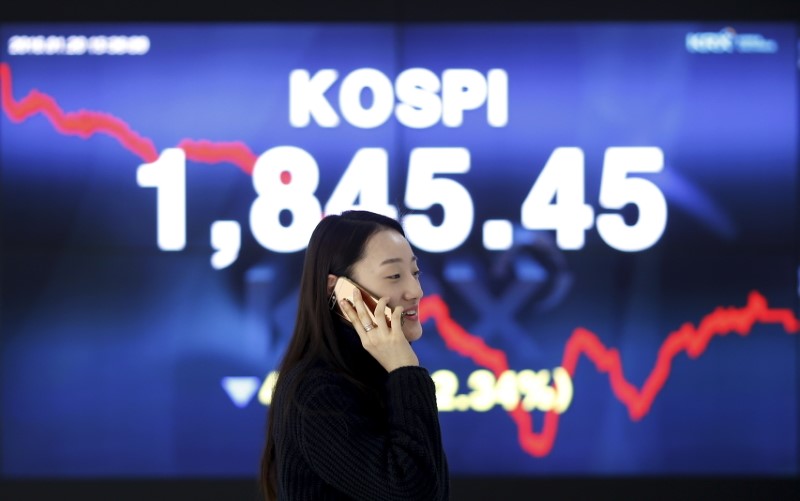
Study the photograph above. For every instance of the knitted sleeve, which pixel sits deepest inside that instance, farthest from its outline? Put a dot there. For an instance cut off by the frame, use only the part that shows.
(402, 460)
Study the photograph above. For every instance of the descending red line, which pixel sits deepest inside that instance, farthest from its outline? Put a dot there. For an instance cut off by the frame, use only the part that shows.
(689, 339)
(81, 123)
(86, 123)
(205, 151)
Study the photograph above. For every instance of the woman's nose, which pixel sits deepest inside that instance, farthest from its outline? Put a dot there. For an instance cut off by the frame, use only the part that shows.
(413, 291)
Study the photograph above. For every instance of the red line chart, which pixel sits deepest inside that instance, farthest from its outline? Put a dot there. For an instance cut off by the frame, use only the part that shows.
(689, 339)
(85, 124)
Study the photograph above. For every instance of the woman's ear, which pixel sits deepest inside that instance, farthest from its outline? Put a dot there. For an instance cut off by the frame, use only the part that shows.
(331, 283)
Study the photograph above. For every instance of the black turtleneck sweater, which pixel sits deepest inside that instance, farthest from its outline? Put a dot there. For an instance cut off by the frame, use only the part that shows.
(337, 441)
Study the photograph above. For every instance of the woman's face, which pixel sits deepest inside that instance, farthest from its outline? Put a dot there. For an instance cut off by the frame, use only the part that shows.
(389, 269)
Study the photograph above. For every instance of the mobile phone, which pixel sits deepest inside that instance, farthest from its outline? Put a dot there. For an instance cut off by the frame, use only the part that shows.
(343, 289)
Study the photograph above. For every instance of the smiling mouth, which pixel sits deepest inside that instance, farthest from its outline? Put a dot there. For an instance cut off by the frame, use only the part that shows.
(410, 313)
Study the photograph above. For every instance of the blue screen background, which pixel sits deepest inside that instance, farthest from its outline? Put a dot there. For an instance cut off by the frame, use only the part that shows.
(113, 351)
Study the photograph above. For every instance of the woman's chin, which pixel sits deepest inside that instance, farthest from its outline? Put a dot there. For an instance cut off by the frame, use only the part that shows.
(412, 332)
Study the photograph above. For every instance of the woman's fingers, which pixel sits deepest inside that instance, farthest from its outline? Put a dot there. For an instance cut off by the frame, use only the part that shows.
(380, 316)
(348, 309)
(358, 313)
(363, 315)
(397, 319)
(387, 345)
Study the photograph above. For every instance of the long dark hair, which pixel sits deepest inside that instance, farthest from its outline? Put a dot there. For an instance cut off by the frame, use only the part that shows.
(336, 244)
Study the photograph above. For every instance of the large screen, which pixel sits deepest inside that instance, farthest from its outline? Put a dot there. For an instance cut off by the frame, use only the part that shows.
(605, 215)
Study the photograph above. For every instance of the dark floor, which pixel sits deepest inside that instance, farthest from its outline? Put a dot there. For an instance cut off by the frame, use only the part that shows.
(463, 489)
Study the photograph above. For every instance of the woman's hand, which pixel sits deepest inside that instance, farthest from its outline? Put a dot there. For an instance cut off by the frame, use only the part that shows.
(388, 345)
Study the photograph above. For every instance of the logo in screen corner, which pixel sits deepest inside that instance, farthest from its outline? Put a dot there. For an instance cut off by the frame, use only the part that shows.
(728, 41)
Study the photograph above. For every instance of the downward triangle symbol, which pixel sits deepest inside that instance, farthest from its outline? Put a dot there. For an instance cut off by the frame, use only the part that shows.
(240, 389)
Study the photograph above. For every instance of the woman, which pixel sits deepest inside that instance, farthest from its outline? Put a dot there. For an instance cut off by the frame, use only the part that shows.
(353, 415)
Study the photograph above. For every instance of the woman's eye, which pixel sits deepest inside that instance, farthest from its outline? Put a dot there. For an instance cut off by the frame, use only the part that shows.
(418, 273)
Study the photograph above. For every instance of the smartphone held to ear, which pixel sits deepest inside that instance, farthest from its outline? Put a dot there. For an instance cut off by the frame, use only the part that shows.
(344, 289)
